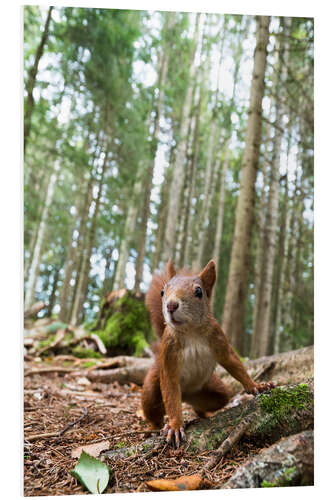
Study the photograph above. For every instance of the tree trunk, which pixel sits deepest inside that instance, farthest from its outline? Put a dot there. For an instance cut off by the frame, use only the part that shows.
(261, 336)
(68, 270)
(162, 215)
(260, 230)
(186, 196)
(154, 145)
(287, 313)
(81, 291)
(210, 172)
(130, 224)
(286, 411)
(220, 214)
(34, 269)
(188, 243)
(236, 295)
(282, 270)
(179, 171)
(32, 78)
(52, 298)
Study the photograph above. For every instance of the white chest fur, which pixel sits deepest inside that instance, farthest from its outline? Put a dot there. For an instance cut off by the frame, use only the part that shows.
(198, 365)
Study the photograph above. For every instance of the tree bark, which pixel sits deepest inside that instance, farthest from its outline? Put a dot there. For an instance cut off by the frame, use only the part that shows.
(260, 231)
(234, 308)
(220, 214)
(188, 243)
(170, 21)
(32, 78)
(261, 336)
(131, 219)
(211, 168)
(289, 462)
(178, 173)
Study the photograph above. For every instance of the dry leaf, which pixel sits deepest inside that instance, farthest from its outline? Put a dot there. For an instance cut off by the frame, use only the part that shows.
(182, 483)
(92, 449)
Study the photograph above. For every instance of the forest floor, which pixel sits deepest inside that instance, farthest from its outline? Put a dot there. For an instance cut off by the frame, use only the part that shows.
(103, 414)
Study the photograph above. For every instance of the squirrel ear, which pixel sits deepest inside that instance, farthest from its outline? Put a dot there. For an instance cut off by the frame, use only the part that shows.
(171, 270)
(208, 277)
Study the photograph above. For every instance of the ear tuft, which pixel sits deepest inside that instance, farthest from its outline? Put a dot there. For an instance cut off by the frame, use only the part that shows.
(171, 270)
(208, 277)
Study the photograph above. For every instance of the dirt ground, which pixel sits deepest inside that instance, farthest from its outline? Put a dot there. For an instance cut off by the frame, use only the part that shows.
(54, 401)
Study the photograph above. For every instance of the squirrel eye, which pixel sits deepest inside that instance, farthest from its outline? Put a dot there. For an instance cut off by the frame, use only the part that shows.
(198, 292)
(162, 293)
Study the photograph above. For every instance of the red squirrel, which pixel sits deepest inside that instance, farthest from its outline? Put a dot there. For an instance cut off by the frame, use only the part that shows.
(192, 342)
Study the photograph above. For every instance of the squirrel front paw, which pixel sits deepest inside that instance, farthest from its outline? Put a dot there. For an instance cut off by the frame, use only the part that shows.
(259, 388)
(174, 435)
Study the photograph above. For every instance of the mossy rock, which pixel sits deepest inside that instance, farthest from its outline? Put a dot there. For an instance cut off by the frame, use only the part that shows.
(124, 325)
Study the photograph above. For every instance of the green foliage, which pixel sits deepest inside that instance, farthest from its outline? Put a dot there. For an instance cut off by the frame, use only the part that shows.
(84, 352)
(126, 328)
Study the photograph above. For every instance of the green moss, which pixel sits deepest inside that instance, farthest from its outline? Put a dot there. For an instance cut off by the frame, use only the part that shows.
(126, 329)
(267, 484)
(287, 478)
(88, 364)
(279, 402)
(282, 409)
(81, 352)
(45, 343)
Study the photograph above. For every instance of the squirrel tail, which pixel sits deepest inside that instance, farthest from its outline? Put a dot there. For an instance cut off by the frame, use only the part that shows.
(154, 301)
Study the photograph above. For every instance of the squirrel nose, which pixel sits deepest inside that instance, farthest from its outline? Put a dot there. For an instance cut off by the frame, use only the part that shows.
(172, 306)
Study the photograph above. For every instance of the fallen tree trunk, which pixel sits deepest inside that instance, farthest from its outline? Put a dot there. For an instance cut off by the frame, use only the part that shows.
(288, 367)
(289, 462)
(122, 369)
(282, 412)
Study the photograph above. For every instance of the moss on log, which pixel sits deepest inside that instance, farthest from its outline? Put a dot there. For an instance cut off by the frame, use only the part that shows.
(282, 412)
(123, 324)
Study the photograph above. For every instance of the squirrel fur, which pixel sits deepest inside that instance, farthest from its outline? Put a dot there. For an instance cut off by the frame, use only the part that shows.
(192, 343)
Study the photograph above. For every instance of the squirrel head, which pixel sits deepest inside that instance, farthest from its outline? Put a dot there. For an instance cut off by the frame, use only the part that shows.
(186, 296)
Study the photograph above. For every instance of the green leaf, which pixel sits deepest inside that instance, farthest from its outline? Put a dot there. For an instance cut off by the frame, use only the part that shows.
(92, 473)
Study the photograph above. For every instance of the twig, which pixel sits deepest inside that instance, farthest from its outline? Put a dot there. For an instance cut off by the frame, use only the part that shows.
(128, 433)
(36, 371)
(34, 437)
(85, 413)
(231, 440)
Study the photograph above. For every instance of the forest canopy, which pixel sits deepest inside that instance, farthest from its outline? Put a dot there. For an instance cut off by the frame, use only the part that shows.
(150, 135)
